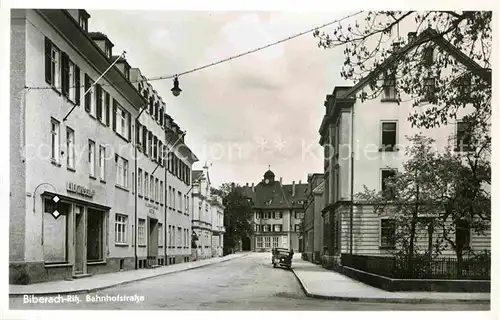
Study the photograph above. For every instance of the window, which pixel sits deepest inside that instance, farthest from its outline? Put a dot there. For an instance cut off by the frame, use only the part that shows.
(299, 215)
(107, 50)
(275, 242)
(83, 21)
(100, 103)
(296, 227)
(70, 146)
(277, 227)
(389, 87)
(387, 190)
(179, 196)
(146, 182)
(91, 158)
(72, 81)
(54, 137)
(139, 182)
(151, 187)
(150, 144)
(258, 215)
(55, 67)
(55, 232)
(169, 199)
(462, 234)
(267, 242)
(388, 136)
(157, 191)
(121, 171)
(141, 232)
(160, 235)
(179, 237)
(429, 89)
(463, 137)
(122, 122)
(102, 163)
(90, 99)
(259, 242)
(428, 56)
(257, 228)
(120, 229)
(187, 204)
(387, 233)
(267, 215)
(127, 73)
(161, 192)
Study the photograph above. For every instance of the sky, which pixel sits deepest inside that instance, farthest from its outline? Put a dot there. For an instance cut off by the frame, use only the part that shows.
(241, 116)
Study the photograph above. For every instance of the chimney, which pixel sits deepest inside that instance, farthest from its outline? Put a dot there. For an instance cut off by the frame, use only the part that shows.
(281, 181)
(293, 188)
(300, 181)
(253, 188)
(411, 36)
(247, 184)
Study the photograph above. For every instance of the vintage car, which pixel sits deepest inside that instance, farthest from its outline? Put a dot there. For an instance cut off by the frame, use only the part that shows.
(282, 257)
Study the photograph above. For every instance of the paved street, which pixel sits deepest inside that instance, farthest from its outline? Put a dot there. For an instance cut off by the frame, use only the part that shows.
(248, 283)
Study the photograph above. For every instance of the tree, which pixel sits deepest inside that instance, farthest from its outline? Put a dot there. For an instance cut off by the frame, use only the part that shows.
(237, 214)
(420, 79)
(433, 191)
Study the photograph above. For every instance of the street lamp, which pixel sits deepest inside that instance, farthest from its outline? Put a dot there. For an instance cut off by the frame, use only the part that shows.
(176, 91)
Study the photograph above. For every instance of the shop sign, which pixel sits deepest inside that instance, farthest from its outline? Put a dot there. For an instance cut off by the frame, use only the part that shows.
(81, 190)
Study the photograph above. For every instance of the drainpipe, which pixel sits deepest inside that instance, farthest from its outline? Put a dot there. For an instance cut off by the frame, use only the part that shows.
(166, 197)
(135, 185)
(351, 213)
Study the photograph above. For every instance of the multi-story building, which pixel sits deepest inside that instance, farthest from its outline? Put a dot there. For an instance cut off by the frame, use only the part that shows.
(278, 212)
(202, 213)
(313, 221)
(374, 130)
(73, 207)
(218, 230)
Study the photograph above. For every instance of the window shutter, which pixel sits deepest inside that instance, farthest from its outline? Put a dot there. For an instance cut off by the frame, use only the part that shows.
(144, 139)
(77, 85)
(87, 97)
(137, 133)
(129, 116)
(48, 61)
(108, 109)
(114, 115)
(98, 101)
(64, 74)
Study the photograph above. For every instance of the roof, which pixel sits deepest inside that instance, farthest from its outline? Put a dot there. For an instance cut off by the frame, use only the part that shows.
(275, 196)
(320, 188)
(427, 35)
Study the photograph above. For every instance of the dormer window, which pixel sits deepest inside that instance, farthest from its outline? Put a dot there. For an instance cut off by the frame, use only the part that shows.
(127, 73)
(83, 18)
(108, 51)
(389, 87)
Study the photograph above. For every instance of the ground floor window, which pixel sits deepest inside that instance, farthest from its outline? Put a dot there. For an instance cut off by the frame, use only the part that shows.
(275, 242)
(141, 232)
(259, 242)
(160, 235)
(121, 229)
(387, 233)
(95, 235)
(267, 242)
(55, 231)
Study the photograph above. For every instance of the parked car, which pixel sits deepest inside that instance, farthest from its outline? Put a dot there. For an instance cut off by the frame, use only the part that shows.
(282, 257)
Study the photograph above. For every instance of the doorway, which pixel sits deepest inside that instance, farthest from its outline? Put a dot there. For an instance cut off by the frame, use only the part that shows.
(246, 244)
(153, 240)
(79, 241)
(95, 235)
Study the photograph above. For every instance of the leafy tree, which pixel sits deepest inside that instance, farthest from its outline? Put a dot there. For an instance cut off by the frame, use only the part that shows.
(434, 191)
(366, 48)
(237, 214)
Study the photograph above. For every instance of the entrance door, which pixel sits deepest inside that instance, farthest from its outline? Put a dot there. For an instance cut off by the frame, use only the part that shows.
(95, 235)
(153, 241)
(246, 244)
(80, 256)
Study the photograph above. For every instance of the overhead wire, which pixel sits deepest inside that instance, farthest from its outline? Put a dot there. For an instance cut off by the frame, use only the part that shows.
(222, 60)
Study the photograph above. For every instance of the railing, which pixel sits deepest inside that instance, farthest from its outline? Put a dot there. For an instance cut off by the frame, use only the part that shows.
(420, 268)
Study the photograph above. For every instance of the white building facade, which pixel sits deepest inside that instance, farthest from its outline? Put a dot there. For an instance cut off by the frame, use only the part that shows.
(73, 209)
(202, 213)
(218, 230)
(368, 128)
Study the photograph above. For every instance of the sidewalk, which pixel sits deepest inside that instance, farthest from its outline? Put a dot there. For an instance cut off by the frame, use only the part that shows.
(318, 282)
(107, 280)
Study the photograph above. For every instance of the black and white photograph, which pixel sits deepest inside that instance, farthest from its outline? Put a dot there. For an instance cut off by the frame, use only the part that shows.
(253, 159)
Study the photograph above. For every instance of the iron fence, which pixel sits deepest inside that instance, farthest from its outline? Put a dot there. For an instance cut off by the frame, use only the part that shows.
(420, 267)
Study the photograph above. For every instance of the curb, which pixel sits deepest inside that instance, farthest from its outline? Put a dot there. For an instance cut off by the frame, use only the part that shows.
(15, 295)
(386, 300)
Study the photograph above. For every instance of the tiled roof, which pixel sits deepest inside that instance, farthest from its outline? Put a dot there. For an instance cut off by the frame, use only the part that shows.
(275, 195)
